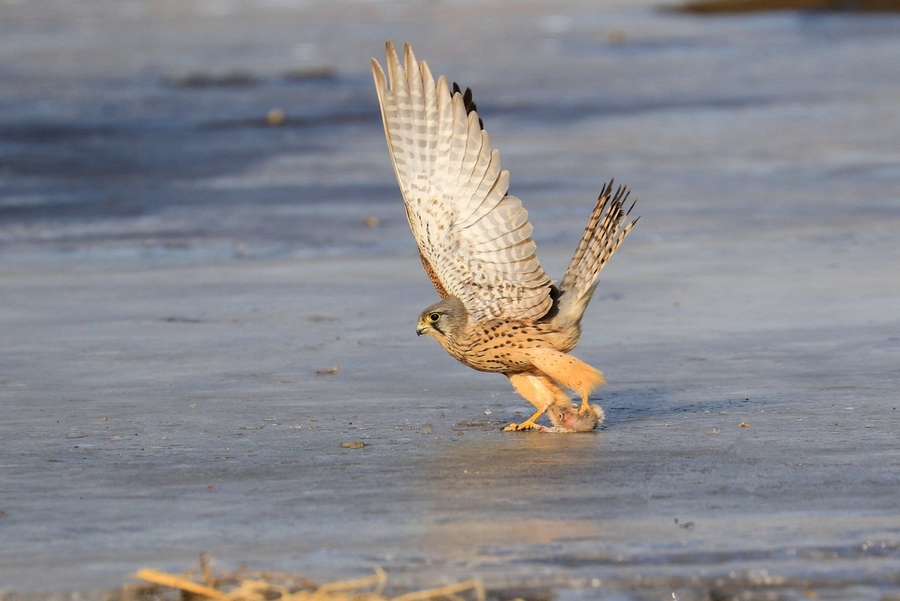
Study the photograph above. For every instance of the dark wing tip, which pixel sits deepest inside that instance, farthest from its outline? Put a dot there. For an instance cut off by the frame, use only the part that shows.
(467, 101)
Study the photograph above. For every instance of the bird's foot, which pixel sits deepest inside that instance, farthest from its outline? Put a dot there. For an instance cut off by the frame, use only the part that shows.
(526, 425)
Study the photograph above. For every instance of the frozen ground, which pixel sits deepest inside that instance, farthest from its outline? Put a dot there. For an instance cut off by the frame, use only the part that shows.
(173, 273)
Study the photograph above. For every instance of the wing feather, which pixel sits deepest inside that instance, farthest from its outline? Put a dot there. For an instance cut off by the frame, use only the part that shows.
(474, 239)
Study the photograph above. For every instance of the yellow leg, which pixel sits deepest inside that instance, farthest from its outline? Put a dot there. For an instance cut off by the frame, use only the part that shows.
(584, 402)
(540, 391)
(587, 418)
(528, 424)
(576, 375)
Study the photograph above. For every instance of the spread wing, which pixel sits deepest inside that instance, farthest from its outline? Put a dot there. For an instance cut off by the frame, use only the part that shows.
(474, 239)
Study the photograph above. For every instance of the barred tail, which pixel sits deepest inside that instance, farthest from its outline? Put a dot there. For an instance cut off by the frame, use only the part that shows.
(605, 230)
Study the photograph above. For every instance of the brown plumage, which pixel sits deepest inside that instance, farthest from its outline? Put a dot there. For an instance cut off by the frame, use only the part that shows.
(500, 312)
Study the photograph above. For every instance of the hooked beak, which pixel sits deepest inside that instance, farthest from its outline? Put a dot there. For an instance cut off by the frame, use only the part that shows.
(420, 329)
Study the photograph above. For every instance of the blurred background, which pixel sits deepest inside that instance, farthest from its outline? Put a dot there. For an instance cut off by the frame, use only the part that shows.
(198, 214)
(212, 130)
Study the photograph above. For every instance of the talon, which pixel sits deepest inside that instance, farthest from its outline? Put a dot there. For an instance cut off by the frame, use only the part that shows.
(528, 425)
(585, 405)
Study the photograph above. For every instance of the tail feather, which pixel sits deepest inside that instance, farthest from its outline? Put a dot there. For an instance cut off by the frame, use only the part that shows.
(605, 230)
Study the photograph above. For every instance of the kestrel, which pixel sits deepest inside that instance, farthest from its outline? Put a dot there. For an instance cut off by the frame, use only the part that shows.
(499, 311)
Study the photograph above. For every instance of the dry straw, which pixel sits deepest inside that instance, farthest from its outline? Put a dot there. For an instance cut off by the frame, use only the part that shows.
(276, 586)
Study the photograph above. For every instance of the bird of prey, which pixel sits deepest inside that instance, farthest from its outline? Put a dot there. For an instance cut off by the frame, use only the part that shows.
(499, 311)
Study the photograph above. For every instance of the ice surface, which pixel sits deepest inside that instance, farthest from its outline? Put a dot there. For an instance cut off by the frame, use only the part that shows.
(174, 271)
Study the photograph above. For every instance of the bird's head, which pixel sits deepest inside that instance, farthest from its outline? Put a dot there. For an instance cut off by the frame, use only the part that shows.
(443, 319)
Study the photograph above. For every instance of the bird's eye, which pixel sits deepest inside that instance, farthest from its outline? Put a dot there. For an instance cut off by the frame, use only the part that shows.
(433, 317)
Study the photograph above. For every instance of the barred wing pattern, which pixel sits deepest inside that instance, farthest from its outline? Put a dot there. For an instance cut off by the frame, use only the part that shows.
(474, 239)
